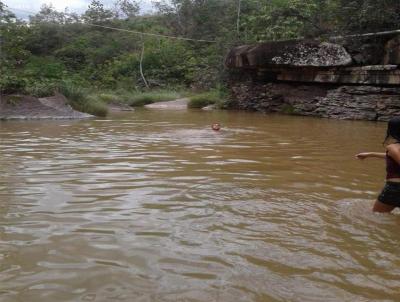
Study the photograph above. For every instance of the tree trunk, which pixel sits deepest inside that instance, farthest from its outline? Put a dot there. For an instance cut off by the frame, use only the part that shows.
(141, 66)
(238, 17)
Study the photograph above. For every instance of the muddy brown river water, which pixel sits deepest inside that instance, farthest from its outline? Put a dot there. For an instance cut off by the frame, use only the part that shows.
(155, 206)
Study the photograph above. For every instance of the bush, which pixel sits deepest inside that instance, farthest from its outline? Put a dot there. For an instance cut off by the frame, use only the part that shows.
(44, 68)
(205, 99)
(12, 84)
(41, 88)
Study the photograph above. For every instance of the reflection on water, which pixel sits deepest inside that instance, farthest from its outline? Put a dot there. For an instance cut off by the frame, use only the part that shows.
(155, 206)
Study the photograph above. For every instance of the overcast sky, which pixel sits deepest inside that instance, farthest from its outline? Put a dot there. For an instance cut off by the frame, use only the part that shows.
(78, 6)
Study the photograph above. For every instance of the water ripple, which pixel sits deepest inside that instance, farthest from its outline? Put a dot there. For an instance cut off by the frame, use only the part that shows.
(158, 207)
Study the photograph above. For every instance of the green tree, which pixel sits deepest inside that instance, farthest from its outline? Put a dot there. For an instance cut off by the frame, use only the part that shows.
(6, 16)
(285, 19)
(198, 18)
(127, 9)
(360, 16)
(12, 38)
(48, 14)
(96, 13)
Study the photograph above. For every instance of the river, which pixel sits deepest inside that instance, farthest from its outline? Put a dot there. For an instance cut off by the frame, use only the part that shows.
(155, 206)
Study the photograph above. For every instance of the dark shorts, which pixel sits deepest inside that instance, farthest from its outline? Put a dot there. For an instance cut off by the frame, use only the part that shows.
(390, 194)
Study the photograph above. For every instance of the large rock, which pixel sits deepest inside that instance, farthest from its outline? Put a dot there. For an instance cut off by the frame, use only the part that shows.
(365, 50)
(288, 53)
(357, 60)
(28, 107)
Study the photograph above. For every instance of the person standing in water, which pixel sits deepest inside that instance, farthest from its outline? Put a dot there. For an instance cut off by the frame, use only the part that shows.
(389, 198)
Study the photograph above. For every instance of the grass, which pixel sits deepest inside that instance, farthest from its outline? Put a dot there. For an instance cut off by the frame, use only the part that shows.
(143, 98)
(138, 98)
(86, 100)
(108, 97)
(95, 103)
(204, 99)
(81, 100)
(94, 106)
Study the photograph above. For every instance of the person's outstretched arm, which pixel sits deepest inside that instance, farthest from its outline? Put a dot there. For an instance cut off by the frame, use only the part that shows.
(365, 155)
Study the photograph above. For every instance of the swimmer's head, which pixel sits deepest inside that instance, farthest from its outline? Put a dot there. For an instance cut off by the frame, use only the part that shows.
(216, 126)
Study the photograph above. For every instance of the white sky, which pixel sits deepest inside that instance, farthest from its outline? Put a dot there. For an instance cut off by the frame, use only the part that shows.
(78, 6)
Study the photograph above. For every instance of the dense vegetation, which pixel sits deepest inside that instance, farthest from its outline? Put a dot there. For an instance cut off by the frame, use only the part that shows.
(65, 51)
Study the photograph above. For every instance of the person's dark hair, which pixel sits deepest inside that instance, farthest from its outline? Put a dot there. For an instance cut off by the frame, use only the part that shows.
(393, 129)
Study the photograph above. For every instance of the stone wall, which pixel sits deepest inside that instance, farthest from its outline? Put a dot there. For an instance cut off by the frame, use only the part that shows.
(342, 102)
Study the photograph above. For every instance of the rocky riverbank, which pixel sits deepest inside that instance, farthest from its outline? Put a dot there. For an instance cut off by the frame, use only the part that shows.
(354, 78)
(371, 103)
(22, 107)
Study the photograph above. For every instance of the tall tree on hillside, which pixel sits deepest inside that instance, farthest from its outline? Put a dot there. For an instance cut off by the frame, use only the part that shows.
(127, 9)
(287, 19)
(13, 52)
(6, 16)
(199, 18)
(360, 16)
(46, 31)
(48, 14)
(97, 13)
